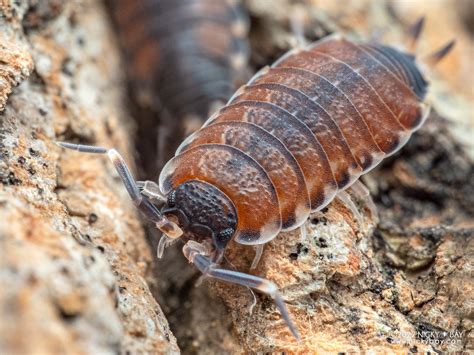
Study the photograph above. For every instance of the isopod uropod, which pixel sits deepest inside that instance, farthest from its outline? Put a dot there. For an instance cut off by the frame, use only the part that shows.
(298, 133)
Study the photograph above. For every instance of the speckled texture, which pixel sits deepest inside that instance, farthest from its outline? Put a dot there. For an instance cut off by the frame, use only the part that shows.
(204, 211)
(280, 165)
(238, 176)
(294, 134)
(73, 258)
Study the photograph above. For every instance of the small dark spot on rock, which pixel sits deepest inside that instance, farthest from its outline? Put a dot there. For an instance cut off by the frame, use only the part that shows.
(115, 296)
(33, 152)
(68, 316)
(92, 218)
(32, 279)
(316, 221)
(122, 289)
(101, 248)
(67, 67)
(31, 171)
(353, 316)
(376, 287)
(10, 179)
(357, 330)
(324, 210)
(301, 249)
(321, 242)
(414, 349)
(65, 271)
(21, 160)
(389, 340)
(293, 256)
(42, 112)
(80, 41)
(266, 304)
(108, 129)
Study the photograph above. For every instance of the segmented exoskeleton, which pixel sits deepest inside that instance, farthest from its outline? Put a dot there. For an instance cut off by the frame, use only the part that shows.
(300, 132)
(186, 53)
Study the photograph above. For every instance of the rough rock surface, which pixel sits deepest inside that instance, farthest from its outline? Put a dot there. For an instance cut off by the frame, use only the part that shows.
(73, 256)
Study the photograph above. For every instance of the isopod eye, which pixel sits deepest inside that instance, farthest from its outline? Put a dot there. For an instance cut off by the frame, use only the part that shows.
(172, 198)
(224, 236)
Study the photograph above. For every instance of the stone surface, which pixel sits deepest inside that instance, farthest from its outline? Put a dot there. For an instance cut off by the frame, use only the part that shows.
(74, 261)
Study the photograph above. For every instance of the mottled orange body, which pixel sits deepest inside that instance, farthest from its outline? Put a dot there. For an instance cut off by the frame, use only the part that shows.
(302, 130)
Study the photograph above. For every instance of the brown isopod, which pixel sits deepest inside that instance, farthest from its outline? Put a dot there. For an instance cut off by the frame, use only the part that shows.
(300, 132)
(186, 54)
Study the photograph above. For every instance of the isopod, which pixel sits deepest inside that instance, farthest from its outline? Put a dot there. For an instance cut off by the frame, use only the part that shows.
(184, 54)
(298, 133)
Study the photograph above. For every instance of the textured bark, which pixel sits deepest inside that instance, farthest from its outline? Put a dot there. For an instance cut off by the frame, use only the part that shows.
(73, 256)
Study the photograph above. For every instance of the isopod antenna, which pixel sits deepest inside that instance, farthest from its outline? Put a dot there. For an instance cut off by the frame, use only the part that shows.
(142, 203)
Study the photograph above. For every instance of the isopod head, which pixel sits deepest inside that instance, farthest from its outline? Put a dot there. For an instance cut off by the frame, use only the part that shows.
(203, 212)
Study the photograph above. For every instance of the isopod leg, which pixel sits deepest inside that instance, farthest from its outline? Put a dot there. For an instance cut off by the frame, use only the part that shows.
(258, 255)
(141, 202)
(360, 189)
(363, 193)
(164, 243)
(210, 269)
(345, 198)
(297, 19)
(151, 190)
